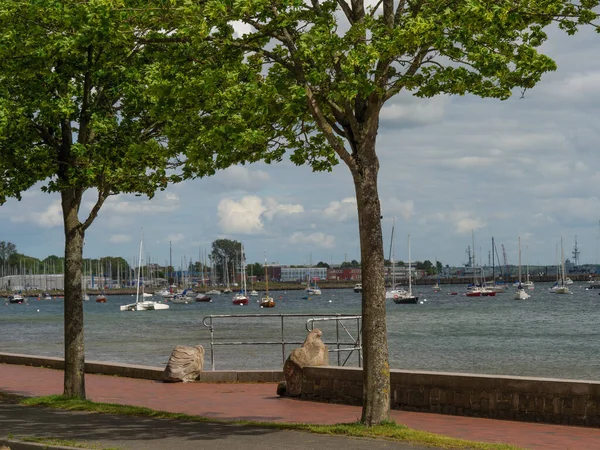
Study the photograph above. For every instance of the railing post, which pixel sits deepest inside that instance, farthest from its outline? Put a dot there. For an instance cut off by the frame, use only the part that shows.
(212, 344)
(358, 337)
(282, 340)
(337, 338)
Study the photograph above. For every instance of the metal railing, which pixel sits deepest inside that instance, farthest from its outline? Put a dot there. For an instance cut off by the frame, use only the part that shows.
(340, 346)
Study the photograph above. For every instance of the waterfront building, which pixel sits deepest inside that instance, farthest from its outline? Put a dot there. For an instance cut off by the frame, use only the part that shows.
(302, 273)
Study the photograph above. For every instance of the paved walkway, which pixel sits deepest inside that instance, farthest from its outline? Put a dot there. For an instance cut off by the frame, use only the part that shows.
(259, 402)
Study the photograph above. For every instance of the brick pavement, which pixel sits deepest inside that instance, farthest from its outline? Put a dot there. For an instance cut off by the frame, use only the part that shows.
(259, 402)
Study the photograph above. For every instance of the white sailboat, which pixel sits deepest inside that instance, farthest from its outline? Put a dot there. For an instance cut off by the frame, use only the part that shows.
(227, 289)
(562, 287)
(141, 304)
(254, 293)
(407, 297)
(311, 289)
(393, 292)
(241, 298)
(520, 294)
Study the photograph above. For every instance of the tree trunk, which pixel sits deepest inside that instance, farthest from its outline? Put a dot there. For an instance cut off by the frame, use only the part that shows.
(376, 372)
(73, 316)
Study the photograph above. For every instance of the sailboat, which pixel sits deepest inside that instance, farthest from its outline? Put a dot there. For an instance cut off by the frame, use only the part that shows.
(267, 301)
(494, 285)
(227, 289)
(527, 283)
(241, 298)
(520, 294)
(254, 293)
(85, 296)
(407, 297)
(141, 304)
(477, 290)
(393, 292)
(436, 287)
(312, 289)
(562, 287)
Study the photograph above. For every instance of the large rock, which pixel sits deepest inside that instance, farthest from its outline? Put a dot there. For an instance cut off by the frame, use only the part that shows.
(312, 353)
(185, 364)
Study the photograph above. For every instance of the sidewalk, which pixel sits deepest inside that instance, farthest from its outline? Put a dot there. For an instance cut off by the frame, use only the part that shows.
(257, 402)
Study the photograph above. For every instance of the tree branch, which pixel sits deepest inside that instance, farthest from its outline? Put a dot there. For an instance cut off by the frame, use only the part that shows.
(327, 130)
(415, 65)
(347, 11)
(102, 196)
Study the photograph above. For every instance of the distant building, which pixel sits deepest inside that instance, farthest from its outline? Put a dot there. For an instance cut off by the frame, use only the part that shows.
(345, 273)
(44, 282)
(302, 273)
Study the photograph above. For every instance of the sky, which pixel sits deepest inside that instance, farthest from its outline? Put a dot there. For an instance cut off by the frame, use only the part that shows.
(525, 167)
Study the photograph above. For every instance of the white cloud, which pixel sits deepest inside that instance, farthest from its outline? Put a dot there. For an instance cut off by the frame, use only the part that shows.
(404, 208)
(582, 85)
(119, 239)
(162, 203)
(341, 211)
(241, 216)
(406, 109)
(314, 239)
(274, 209)
(49, 218)
(248, 214)
(241, 178)
(467, 224)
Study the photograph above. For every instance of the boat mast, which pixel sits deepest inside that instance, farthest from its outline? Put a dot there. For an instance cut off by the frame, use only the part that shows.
(493, 265)
(562, 263)
(393, 254)
(519, 261)
(266, 277)
(137, 289)
(473, 259)
(409, 269)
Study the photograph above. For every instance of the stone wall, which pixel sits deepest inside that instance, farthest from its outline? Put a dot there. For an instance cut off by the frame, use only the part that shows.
(547, 400)
(145, 372)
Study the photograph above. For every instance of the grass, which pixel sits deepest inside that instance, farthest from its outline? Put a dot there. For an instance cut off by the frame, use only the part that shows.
(388, 431)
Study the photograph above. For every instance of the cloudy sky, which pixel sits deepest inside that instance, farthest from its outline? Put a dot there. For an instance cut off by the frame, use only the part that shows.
(523, 167)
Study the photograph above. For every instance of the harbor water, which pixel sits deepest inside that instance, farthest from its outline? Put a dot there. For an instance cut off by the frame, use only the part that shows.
(548, 335)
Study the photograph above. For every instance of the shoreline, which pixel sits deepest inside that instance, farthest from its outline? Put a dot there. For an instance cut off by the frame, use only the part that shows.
(295, 286)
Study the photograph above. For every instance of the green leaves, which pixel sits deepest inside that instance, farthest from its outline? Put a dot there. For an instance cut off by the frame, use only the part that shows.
(351, 60)
(76, 106)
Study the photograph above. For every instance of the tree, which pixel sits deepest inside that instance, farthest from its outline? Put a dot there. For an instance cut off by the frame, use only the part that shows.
(438, 267)
(318, 74)
(353, 264)
(76, 113)
(226, 252)
(8, 250)
(256, 269)
(426, 265)
(322, 264)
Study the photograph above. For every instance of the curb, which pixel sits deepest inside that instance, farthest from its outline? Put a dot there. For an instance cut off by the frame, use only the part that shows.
(14, 444)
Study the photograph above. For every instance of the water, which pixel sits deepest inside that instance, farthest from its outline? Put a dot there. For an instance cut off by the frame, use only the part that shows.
(547, 335)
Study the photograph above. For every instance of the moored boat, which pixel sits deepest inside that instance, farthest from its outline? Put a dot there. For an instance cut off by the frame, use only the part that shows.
(358, 287)
(141, 304)
(203, 298)
(16, 299)
(241, 298)
(267, 301)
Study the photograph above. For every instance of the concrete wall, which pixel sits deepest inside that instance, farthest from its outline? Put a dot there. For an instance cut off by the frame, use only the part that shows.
(547, 400)
(145, 372)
